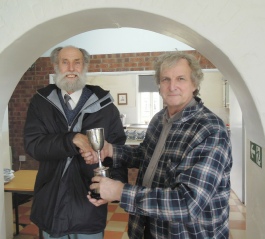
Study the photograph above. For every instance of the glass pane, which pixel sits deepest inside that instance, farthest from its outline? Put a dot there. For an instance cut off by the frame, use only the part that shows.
(156, 103)
(145, 107)
(149, 105)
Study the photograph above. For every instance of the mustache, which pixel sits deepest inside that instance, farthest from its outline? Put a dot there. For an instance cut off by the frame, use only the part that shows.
(61, 76)
(70, 85)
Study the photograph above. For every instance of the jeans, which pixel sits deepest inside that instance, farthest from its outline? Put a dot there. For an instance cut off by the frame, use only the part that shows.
(75, 236)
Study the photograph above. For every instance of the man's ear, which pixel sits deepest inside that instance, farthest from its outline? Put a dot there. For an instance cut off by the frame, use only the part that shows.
(55, 67)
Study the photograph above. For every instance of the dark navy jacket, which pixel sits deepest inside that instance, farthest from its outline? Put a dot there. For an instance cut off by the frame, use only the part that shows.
(60, 205)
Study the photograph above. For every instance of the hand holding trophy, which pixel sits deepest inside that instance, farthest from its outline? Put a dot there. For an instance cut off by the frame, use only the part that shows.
(96, 139)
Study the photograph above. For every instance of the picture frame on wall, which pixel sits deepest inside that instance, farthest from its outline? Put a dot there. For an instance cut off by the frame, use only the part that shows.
(122, 99)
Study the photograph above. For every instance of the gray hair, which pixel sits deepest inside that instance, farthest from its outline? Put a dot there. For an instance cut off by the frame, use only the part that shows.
(55, 60)
(169, 59)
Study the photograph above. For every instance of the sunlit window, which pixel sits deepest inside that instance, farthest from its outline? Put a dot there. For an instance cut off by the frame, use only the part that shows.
(150, 104)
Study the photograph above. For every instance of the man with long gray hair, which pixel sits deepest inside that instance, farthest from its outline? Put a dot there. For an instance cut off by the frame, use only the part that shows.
(183, 185)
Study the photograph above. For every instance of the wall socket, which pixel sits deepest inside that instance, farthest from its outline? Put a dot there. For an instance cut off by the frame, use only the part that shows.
(22, 158)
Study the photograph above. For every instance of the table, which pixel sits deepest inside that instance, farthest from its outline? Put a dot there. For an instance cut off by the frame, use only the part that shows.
(133, 142)
(22, 183)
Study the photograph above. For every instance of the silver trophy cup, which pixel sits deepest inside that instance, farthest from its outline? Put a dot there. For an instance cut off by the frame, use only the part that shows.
(96, 139)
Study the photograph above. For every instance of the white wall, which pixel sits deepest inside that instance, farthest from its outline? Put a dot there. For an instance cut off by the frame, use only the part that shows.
(238, 147)
(6, 163)
(255, 178)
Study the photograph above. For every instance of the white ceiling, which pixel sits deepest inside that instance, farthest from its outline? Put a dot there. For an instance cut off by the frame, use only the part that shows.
(122, 40)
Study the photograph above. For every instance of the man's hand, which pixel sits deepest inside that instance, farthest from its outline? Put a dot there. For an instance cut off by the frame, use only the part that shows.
(91, 157)
(85, 148)
(82, 143)
(109, 189)
(107, 150)
(96, 202)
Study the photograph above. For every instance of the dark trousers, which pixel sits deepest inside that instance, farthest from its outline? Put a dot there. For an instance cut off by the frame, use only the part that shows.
(147, 234)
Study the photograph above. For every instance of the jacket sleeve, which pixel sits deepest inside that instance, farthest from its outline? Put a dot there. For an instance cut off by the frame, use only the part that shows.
(116, 135)
(44, 138)
(201, 186)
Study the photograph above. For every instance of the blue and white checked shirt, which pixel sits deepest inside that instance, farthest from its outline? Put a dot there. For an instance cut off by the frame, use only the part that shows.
(189, 197)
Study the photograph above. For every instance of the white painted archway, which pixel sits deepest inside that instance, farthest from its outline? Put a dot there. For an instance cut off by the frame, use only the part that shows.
(229, 33)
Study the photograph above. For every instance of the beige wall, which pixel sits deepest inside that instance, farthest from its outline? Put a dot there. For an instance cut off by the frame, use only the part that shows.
(212, 94)
(120, 83)
(211, 91)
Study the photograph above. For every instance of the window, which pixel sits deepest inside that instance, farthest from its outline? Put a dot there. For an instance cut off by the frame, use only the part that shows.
(150, 104)
(150, 101)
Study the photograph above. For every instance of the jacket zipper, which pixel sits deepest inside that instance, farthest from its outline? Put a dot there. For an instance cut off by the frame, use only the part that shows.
(68, 126)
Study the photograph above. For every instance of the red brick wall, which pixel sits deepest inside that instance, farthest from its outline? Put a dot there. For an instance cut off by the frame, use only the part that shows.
(38, 76)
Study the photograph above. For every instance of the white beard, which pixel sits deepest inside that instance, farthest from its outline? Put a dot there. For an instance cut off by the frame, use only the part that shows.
(70, 85)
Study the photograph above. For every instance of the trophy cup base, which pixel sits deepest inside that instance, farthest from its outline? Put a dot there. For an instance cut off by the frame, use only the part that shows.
(95, 195)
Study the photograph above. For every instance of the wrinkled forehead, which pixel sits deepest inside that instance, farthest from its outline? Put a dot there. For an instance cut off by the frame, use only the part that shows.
(71, 54)
(169, 64)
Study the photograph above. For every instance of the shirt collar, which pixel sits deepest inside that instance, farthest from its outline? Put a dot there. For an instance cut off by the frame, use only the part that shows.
(74, 96)
(178, 115)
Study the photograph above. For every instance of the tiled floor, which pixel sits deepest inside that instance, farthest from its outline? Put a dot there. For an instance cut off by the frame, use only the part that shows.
(117, 221)
(237, 217)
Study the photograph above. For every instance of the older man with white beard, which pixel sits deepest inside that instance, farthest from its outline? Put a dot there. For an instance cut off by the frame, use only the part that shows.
(54, 134)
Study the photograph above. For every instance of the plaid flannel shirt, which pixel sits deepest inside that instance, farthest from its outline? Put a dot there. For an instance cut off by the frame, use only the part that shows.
(189, 197)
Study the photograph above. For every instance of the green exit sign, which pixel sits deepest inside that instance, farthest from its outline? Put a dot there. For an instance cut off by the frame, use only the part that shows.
(256, 154)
